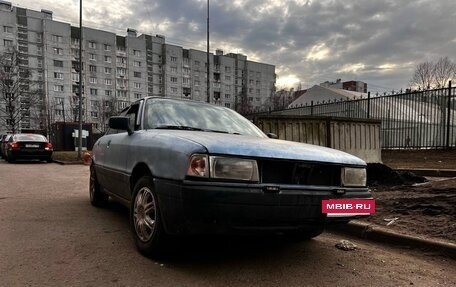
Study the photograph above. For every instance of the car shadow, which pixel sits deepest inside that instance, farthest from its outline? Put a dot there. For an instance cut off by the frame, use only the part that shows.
(207, 250)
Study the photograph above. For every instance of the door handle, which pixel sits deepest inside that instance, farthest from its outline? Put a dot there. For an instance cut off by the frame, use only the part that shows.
(109, 142)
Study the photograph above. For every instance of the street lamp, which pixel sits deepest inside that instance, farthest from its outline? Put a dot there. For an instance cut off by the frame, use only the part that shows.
(80, 84)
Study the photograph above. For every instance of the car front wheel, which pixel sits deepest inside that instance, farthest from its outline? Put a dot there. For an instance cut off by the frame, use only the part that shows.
(97, 197)
(145, 219)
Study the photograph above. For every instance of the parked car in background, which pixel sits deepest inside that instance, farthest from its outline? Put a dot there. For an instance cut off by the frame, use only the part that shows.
(3, 142)
(28, 146)
(185, 167)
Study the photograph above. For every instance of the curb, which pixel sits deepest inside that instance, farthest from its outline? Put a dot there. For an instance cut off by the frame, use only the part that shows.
(67, 162)
(430, 172)
(379, 234)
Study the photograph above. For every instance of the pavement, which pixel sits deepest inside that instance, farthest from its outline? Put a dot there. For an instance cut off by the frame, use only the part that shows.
(376, 233)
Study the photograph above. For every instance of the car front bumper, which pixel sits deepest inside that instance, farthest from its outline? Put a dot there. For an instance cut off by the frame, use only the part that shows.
(196, 207)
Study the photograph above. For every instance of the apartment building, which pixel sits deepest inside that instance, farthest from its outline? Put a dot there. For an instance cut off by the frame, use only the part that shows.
(117, 70)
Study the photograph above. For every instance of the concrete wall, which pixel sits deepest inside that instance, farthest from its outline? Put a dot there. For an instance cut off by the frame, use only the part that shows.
(357, 137)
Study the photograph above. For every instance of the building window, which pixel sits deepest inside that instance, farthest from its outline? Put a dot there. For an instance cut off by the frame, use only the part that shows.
(58, 100)
(227, 105)
(58, 88)
(138, 96)
(186, 70)
(108, 93)
(108, 70)
(58, 51)
(173, 69)
(197, 83)
(8, 43)
(92, 57)
(8, 29)
(227, 78)
(173, 89)
(93, 92)
(74, 41)
(250, 99)
(137, 74)
(136, 63)
(121, 71)
(137, 53)
(107, 47)
(227, 69)
(197, 63)
(92, 45)
(58, 75)
(121, 60)
(58, 63)
(137, 85)
(57, 38)
(108, 82)
(227, 96)
(173, 79)
(258, 91)
(227, 88)
(92, 80)
(94, 114)
(93, 68)
(122, 94)
(39, 38)
(107, 59)
(173, 59)
(186, 81)
(75, 77)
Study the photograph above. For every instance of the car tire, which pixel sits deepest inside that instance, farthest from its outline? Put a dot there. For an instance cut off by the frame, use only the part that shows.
(145, 220)
(97, 197)
(10, 159)
(49, 160)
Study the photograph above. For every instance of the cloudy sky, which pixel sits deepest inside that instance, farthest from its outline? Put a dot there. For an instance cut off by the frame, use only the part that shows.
(309, 41)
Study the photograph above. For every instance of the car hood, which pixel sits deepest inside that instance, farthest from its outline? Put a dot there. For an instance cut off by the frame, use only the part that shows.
(241, 145)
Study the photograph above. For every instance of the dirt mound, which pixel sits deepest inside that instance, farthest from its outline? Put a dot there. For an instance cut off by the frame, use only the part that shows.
(380, 174)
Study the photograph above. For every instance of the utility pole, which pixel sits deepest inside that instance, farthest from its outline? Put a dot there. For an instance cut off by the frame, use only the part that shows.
(80, 84)
(207, 79)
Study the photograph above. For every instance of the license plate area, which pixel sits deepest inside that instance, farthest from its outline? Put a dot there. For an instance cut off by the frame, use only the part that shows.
(32, 145)
(347, 207)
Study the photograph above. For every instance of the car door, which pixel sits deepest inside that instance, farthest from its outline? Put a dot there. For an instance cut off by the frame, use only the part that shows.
(116, 154)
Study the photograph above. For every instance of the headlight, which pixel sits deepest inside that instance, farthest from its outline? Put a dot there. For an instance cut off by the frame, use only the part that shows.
(353, 177)
(223, 167)
(233, 168)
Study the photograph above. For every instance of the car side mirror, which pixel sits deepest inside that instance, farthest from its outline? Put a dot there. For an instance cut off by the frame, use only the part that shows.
(120, 123)
(272, 136)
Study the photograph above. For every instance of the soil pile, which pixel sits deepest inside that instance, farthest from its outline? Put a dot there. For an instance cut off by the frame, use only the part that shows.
(380, 174)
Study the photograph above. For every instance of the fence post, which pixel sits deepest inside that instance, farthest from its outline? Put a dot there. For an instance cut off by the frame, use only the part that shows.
(448, 116)
(311, 108)
(368, 104)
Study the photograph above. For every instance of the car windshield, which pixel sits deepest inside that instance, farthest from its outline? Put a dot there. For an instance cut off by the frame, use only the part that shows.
(30, 137)
(188, 115)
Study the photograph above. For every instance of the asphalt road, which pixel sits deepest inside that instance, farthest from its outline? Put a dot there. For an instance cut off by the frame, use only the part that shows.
(50, 235)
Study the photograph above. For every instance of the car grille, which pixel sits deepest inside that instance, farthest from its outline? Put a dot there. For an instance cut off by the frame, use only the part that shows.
(299, 173)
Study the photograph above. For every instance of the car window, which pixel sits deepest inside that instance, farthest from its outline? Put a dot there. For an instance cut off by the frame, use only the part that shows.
(166, 113)
(30, 137)
(133, 115)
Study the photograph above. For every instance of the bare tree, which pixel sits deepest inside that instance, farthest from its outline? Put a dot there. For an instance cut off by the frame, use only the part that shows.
(423, 75)
(17, 95)
(444, 71)
(105, 109)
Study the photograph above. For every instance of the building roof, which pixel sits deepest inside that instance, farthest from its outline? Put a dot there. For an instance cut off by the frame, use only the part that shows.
(318, 94)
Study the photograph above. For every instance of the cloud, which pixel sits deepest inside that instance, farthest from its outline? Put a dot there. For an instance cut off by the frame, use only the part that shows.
(378, 42)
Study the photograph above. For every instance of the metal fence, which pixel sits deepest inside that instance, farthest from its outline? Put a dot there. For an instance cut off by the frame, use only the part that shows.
(418, 119)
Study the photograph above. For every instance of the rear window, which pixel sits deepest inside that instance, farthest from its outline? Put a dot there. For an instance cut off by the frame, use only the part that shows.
(30, 137)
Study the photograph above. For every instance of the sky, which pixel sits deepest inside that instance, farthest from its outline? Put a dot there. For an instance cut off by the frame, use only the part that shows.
(376, 41)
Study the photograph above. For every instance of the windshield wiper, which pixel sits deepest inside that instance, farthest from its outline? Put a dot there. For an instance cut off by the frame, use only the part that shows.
(171, 127)
(187, 128)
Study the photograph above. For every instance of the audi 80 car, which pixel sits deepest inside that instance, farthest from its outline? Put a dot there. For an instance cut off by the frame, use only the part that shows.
(185, 167)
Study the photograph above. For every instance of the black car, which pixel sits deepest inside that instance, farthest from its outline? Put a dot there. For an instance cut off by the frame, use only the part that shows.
(28, 146)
